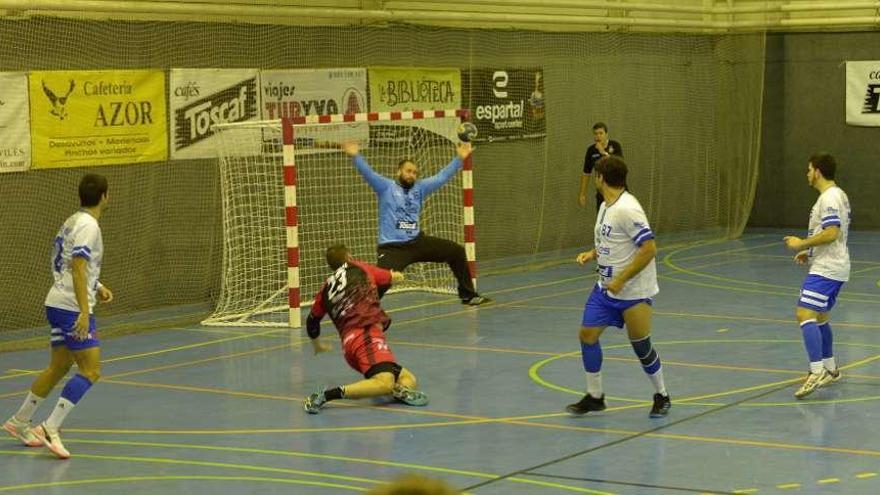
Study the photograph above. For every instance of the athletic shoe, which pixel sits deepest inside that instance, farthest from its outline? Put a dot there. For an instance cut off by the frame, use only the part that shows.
(813, 381)
(22, 431)
(409, 396)
(661, 406)
(313, 403)
(52, 440)
(476, 301)
(831, 377)
(587, 404)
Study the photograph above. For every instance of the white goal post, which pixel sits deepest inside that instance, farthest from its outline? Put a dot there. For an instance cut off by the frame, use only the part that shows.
(288, 192)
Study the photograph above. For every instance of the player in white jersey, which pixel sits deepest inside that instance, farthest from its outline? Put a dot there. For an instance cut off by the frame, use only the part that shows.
(624, 250)
(826, 252)
(76, 266)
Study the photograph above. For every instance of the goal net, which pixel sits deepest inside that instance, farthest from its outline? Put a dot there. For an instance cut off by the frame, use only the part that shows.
(288, 192)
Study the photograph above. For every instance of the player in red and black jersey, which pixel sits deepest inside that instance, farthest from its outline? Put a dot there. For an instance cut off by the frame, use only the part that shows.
(350, 296)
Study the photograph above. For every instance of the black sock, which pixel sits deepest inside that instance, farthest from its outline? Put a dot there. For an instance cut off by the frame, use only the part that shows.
(334, 393)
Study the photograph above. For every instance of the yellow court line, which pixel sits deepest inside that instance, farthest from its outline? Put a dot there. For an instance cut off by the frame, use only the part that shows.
(791, 257)
(727, 251)
(828, 481)
(788, 486)
(684, 364)
(192, 346)
(706, 439)
(536, 377)
(862, 476)
(272, 348)
(179, 365)
(710, 316)
(864, 270)
(308, 455)
(667, 261)
(131, 479)
(792, 292)
(201, 463)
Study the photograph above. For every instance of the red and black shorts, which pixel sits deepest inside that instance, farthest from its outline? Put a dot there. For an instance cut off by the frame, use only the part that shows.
(367, 352)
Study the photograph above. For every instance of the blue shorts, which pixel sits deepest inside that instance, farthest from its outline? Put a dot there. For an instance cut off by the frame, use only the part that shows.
(602, 311)
(819, 293)
(62, 322)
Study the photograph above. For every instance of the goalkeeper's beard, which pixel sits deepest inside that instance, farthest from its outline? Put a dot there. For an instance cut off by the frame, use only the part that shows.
(404, 183)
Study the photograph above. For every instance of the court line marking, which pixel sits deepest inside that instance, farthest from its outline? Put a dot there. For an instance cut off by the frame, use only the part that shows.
(472, 474)
(622, 440)
(790, 257)
(131, 479)
(536, 377)
(711, 316)
(789, 295)
(667, 261)
(213, 464)
(631, 484)
(578, 277)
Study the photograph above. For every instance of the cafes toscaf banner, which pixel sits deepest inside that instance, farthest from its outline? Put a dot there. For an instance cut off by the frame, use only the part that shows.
(863, 93)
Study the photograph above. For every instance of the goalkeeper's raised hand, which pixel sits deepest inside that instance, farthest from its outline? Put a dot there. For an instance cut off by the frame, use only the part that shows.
(351, 148)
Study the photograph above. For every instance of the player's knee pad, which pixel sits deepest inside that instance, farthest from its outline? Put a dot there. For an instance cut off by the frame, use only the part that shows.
(645, 351)
(386, 367)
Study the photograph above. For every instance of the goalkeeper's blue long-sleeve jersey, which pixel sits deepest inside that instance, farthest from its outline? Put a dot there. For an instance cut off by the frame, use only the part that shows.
(399, 208)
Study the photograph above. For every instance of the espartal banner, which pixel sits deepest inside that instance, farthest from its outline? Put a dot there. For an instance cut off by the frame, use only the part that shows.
(507, 103)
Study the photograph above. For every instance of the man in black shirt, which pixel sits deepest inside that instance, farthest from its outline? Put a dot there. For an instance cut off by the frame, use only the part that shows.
(602, 147)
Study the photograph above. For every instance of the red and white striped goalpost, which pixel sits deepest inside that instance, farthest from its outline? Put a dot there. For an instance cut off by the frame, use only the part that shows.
(288, 127)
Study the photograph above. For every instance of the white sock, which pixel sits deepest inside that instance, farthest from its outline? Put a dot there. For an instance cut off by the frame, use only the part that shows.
(594, 385)
(816, 368)
(659, 384)
(59, 413)
(830, 363)
(29, 407)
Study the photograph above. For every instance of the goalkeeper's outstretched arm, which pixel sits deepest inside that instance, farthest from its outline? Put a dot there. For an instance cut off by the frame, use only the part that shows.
(376, 181)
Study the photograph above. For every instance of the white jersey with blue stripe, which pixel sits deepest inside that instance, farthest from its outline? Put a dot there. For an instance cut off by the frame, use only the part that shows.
(80, 236)
(621, 229)
(831, 260)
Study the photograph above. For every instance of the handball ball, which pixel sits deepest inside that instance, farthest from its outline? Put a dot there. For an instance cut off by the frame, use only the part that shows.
(467, 132)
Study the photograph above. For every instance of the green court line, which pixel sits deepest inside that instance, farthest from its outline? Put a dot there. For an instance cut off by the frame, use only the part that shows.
(326, 457)
(199, 463)
(133, 479)
(667, 261)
